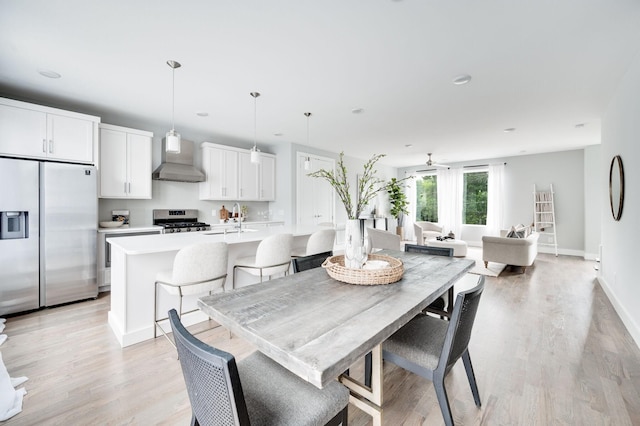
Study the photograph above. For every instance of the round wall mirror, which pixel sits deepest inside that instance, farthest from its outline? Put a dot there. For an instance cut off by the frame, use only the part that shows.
(616, 187)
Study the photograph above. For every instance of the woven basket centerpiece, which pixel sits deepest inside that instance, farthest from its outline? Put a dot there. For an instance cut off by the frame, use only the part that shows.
(385, 275)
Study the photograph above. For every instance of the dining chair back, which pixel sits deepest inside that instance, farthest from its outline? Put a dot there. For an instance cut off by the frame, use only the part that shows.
(198, 269)
(309, 262)
(429, 346)
(271, 396)
(438, 251)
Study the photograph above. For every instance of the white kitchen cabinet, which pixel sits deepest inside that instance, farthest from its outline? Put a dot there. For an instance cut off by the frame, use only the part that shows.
(232, 176)
(125, 162)
(248, 177)
(267, 177)
(34, 131)
(221, 169)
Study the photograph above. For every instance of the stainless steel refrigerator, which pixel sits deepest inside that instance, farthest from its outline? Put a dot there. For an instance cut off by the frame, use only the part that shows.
(48, 229)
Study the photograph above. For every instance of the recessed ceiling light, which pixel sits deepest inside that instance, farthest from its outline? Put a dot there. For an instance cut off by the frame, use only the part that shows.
(278, 134)
(462, 79)
(509, 130)
(202, 114)
(580, 125)
(357, 110)
(408, 145)
(49, 74)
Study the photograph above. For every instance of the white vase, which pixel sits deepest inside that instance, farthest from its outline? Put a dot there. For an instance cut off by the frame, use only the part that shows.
(355, 251)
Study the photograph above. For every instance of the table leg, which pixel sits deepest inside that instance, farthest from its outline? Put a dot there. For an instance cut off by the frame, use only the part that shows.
(368, 399)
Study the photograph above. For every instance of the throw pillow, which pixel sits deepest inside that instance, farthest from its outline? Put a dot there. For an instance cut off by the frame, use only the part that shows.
(512, 233)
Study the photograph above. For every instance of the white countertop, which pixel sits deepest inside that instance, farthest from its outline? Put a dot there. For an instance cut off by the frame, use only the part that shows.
(145, 244)
(124, 229)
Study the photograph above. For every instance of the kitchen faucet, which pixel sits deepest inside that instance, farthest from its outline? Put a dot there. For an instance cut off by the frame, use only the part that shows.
(233, 215)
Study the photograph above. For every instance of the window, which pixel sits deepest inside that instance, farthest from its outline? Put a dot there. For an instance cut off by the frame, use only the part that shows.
(474, 198)
(427, 198)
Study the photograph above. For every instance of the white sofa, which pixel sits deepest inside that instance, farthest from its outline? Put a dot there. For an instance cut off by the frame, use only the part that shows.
(510, 251)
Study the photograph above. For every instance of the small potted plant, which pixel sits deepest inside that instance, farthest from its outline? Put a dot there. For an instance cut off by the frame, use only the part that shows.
(399, 203)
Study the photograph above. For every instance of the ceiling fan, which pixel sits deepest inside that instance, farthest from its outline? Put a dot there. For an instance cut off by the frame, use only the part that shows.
(431, 163)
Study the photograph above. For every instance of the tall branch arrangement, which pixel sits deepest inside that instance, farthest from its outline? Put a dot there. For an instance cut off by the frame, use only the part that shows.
(368, 184)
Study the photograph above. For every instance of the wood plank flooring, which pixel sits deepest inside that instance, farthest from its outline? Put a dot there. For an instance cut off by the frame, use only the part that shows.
(547, 348)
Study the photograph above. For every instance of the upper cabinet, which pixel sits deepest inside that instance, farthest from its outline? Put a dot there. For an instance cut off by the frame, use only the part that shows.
(125, 162)
(232, 176)
(34, 131)
(267, 177)
(221, 169)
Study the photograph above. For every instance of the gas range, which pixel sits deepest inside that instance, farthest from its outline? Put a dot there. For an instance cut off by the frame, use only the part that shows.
(179, 221)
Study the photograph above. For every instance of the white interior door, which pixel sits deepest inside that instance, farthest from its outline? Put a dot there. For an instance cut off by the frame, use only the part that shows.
(315, 196)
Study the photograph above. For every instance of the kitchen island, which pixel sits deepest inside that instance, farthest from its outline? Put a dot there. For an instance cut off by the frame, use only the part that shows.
(135, 261)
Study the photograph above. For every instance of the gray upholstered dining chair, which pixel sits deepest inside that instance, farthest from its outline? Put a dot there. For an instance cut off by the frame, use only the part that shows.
(198, 269)
(319, 242)
(429, 346)
(273, 256)
(437, 306)
(255, 390)
(309, 262)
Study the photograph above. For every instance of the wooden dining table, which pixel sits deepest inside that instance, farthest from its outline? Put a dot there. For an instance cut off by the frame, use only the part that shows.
(318, 327)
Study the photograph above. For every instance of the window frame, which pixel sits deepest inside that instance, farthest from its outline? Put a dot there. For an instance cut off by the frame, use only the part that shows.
(463, 219)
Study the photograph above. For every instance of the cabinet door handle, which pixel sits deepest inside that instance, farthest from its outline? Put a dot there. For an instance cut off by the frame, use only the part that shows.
(44, 145)
(129, 187)
(50, 146)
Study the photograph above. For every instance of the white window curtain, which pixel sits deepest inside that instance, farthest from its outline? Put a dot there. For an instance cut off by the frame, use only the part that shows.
(450, 200)
(495, 199)
(409, 220)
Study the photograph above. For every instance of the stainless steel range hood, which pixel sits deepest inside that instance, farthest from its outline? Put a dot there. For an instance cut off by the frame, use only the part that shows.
(178, 167)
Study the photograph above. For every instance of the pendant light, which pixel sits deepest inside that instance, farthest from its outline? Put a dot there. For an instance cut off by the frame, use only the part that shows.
(255, 152)
(172, 138)
(307, 160)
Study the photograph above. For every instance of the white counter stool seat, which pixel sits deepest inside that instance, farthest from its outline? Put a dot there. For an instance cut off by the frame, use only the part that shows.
(381, 239)
(459, 247)
(319, 242)
(273, 256)
(198, 269)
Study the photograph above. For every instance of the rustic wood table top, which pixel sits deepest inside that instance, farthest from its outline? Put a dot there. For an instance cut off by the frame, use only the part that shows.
(318, 327)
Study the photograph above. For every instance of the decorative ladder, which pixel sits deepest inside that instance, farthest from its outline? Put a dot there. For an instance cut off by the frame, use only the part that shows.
(544, 217)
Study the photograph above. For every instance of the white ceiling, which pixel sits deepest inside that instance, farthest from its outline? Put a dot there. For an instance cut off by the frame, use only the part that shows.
(540, 66)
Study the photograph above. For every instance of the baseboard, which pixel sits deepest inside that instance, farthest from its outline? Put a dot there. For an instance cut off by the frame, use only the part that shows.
(628, 322)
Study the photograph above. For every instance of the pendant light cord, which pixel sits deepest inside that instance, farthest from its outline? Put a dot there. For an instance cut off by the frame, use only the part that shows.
(173, 99)
(255, 119)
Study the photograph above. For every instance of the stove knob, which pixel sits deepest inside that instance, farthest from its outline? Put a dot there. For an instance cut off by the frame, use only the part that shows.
(188, 229)
(169, 230)
(178, 230)
(198, 228)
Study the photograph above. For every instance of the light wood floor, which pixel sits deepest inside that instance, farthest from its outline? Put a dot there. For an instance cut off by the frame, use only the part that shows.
(547, 348)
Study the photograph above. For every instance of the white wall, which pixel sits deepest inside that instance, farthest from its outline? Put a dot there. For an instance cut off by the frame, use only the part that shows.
(594, 185)
(620, 136)
(565, 170)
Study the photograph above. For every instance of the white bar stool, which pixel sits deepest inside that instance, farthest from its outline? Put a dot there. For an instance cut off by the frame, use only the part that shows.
(197, 270)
